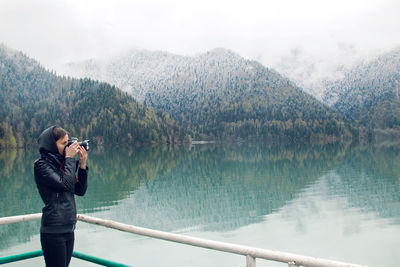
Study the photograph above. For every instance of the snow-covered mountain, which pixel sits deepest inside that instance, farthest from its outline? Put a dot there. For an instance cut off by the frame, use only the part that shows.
(369, 92)
(145, 74)
(139, 72)
(216, 94)
(135, 71)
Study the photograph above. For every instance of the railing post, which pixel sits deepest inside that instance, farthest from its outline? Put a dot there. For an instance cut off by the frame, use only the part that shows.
(250, 261)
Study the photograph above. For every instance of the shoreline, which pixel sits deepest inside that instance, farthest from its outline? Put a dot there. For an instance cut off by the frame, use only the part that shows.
(203, 142)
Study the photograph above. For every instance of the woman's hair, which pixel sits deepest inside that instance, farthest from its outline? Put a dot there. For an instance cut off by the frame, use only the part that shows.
(59, 132)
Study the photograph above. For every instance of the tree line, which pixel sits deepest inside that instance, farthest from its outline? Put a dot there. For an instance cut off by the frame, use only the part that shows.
(249, 103)
(33, 98)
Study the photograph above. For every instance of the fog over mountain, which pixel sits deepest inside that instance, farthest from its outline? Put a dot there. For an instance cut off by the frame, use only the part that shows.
(369, 92)
(55, 32)
(312, 71)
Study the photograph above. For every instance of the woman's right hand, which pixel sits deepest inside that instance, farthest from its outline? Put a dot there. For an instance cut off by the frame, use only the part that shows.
(72, 150)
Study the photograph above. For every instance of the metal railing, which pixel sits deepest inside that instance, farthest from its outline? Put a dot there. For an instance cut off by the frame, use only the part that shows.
(38, 253)
(251, 253)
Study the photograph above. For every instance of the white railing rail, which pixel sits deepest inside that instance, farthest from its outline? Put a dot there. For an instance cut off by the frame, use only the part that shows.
(251, 253)
(20, 218)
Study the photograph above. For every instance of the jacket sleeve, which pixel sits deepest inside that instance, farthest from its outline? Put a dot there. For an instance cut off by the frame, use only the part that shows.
(81, 185)
(58, 181)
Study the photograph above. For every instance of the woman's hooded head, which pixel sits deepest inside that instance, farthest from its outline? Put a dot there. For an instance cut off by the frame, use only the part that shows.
(47, 142)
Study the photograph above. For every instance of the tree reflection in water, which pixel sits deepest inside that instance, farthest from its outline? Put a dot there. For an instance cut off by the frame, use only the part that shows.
(206, 187)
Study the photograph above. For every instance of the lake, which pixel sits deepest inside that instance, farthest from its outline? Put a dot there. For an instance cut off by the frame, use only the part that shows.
(337, 201)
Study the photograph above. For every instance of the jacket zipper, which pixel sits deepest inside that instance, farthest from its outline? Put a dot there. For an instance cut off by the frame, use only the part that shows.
(57, 199)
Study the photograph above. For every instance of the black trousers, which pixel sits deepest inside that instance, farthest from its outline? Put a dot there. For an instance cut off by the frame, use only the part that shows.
(57, 248)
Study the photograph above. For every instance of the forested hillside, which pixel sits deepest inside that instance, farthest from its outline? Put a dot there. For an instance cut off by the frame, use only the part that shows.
(220, 95)
(369, 93)
(32, 98)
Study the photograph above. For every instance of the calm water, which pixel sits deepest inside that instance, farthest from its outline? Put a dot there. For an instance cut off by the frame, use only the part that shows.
(338, 202)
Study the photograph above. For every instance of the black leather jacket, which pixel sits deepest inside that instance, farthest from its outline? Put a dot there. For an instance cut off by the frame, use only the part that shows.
(57, 185)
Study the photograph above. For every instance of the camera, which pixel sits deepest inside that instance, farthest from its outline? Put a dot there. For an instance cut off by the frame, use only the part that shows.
(84, 144)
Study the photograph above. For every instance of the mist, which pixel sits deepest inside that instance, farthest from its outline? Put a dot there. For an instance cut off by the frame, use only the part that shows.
(306, 40)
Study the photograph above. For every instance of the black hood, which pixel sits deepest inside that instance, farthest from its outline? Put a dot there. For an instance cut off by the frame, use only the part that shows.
(46, 141)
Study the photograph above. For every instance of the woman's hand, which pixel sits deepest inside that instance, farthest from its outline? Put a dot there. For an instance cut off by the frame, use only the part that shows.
(82, 154)
(72, 150)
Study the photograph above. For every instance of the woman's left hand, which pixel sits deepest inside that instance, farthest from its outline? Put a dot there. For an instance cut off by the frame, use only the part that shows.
(82, 154)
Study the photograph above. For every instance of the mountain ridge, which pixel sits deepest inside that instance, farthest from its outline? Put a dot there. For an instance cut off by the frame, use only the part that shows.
(33, 98)
(369, 92)
(199, 90)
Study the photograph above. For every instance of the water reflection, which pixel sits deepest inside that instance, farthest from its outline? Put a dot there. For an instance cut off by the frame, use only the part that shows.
(209, 187)
(115, 173)
(370, 179)
(18, 195)
(220, 188)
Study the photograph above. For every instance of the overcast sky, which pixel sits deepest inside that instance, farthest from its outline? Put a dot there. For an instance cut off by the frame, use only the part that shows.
(58, 31)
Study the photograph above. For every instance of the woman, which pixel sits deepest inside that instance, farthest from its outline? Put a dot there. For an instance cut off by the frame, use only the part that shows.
(55, 178)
